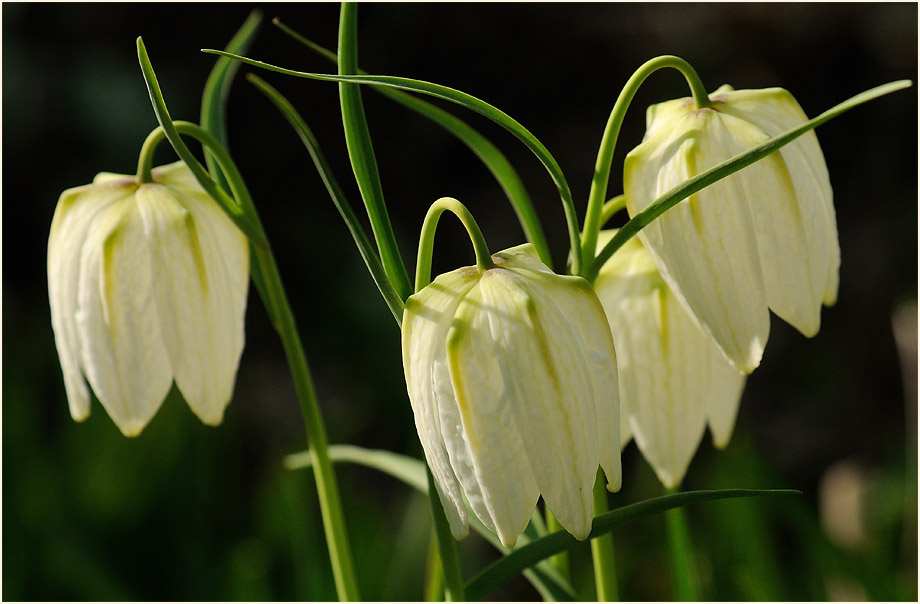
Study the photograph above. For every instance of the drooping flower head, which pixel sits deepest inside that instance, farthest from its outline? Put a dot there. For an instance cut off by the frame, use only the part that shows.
(511, 372)
(763, 238)
(674, 380)
(147, 284)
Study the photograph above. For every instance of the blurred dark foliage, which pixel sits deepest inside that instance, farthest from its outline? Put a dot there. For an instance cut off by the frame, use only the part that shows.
(187, 512)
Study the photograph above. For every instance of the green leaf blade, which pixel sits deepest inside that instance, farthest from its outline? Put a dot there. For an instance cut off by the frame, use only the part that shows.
(465, 100)
(365, 248)
(361, 153)
(521, 558)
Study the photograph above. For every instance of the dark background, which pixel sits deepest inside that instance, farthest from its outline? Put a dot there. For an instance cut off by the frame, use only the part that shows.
(188, 512)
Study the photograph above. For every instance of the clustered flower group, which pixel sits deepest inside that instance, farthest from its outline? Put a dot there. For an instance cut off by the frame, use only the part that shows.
(516, 388)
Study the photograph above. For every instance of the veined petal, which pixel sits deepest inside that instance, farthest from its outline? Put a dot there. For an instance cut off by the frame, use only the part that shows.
(76, 210)
(705, 246)
(426, 322)
(580, 313)
(122, 351)
(670, 372)
(495, 450)
(547, 387)
(176, 176)
(725, 387)
(774, 111)
(200, 275)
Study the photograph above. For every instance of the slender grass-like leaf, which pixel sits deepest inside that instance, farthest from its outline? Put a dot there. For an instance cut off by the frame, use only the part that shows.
(730, 166)
(217, 89)
(521, 558)
(214, 120)
(494, 160)
(392, 298)
(546, 579)
(361, 153)
(465, 100)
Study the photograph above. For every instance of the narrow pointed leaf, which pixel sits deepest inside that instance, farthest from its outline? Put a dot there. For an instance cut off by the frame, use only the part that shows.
(217, 88)
(465, 100)
(489, 154)
(365, 248)
(411, 471)
(501, 571)
(361, 154)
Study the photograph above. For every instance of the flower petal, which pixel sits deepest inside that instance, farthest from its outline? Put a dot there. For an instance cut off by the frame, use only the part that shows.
(705, 246)
(547, 386)
(73, 216)
(670, 371)
(774, 111)
(122, 350)
(201, 269)
(426, 322)
(494, 461)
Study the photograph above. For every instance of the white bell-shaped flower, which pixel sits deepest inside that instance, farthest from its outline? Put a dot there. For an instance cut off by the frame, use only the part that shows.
(511, 373)
(147, 284)
(762, 238)
(673, 378)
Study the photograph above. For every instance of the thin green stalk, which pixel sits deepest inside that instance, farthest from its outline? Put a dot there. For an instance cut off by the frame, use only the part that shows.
(434, 573)
(559, 561)
(447, 547)
(611, 208)
(145, 159)
(686, 586)
(361, 154)
(490, 155)
(605, 571)
(609, 140)
(276, 299)
(426, 239)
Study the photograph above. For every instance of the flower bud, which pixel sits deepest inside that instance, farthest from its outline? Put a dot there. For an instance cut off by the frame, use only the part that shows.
(511, 372)
(147, 284)
(673, 378)
(762, 238)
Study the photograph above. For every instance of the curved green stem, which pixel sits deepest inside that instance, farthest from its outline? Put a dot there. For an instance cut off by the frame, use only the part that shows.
(609, 140)
(426, 240)
(145, 159)
(602, 554)
(283, 317)
(611, 208)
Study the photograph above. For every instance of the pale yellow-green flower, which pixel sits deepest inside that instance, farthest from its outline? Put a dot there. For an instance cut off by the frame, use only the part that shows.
(674, 380)
(147, 284)
(763, 238)
(512, 377)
